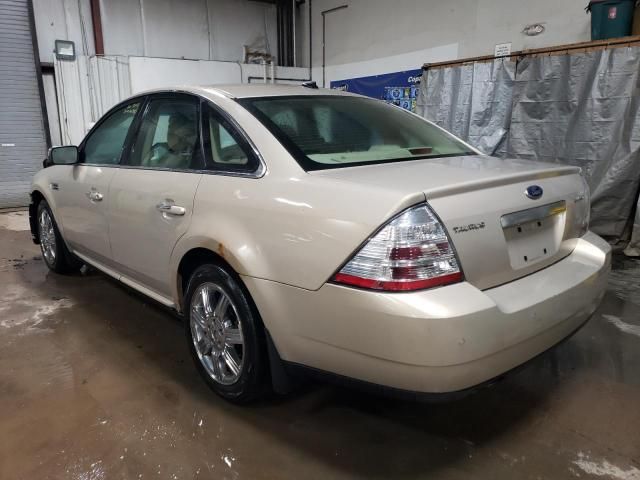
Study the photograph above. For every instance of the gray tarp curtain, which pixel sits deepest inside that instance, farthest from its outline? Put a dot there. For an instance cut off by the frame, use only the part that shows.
(473, 101)
(578, 109)
(633, 249)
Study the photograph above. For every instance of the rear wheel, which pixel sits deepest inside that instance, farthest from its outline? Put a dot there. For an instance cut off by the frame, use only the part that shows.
(54, 251)
(225, 335)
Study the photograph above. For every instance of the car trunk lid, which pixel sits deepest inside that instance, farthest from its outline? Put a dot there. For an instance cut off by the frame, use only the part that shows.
(499, 232)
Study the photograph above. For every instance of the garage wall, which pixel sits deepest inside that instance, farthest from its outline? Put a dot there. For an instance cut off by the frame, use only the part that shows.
(147, 73)
(63, 20)
(195, 29)
(89, 86)
(372, 30)
(86, 88)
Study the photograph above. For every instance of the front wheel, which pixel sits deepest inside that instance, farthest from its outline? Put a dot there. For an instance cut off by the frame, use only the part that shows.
(225, 335)
(54, 251)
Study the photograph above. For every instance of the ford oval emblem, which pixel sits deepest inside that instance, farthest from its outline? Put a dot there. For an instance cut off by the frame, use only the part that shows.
(534, 192)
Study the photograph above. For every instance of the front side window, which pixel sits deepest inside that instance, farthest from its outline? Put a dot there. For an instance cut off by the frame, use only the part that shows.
(104, 145)
(324, 132)
(168, 135)
(228, 150)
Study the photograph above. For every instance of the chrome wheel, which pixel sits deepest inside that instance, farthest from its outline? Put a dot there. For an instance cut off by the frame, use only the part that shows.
(47, 237)
(216, 333)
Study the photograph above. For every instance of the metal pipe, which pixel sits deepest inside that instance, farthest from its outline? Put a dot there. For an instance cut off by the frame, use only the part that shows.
(293, 21)
(264, 65)
(97, 27)
(273, 71)
(206, 7)
(143, 28)
(310, 40)
(324, 24)
(284, 13)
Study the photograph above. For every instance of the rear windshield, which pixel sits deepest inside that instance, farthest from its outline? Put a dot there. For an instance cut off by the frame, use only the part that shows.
(324, 132)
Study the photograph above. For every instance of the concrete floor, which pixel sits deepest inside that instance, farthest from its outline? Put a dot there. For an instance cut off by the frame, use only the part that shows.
(96, 383)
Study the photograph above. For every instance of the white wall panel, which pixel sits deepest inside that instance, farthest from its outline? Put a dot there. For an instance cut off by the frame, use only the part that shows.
(49, 87)
(63, 20)
(89, 86)
(236, 23)
(122, 28)
(86, 89)
(175, 28)
(378, 29)
(193, 29)
(149, 73)
(368, 30)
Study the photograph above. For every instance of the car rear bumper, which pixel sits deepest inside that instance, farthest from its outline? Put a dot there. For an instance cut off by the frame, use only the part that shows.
(440, 340)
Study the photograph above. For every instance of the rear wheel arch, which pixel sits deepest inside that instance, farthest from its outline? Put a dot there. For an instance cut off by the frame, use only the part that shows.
(195, 258)
(189, 264)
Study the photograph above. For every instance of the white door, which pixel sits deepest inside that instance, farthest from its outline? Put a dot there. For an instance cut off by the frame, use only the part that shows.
(82, 191)
(152, 196)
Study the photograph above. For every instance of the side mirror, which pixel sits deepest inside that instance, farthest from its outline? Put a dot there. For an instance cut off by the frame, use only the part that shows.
(67, 155)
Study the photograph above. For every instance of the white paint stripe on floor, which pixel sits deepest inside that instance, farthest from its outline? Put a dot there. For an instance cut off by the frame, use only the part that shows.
(622, 326)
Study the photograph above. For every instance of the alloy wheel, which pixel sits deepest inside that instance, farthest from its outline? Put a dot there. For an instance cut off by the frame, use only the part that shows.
(216, 332)
(47, 237)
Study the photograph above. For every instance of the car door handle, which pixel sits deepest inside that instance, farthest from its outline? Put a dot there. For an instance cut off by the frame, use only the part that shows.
(171, 209)
(95, 196)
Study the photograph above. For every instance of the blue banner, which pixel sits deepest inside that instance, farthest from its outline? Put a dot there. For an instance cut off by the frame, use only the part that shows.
(399, 88)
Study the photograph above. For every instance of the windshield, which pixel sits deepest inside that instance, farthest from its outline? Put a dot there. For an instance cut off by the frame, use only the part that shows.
(338, 131)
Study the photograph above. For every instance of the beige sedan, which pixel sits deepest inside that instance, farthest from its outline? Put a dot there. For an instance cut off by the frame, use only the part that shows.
(305, 230)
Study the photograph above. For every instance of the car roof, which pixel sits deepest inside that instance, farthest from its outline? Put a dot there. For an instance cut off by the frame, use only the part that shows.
(247, 90)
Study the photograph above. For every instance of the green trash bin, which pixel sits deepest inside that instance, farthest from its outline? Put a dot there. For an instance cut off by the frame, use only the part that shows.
(610, 18)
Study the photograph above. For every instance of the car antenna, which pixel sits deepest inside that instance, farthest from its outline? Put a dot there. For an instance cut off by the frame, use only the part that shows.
(311, 84)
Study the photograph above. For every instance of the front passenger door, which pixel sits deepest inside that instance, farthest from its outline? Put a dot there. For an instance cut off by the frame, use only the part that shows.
(82, 191)
(152, 195)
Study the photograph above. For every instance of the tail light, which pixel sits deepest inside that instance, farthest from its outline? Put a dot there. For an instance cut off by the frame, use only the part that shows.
(411, 252)
(582, 207)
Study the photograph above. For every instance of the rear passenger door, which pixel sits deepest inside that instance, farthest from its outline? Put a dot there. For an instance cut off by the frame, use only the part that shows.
(152, 193)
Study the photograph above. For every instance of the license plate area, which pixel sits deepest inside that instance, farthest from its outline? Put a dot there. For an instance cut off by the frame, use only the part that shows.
(534, 234)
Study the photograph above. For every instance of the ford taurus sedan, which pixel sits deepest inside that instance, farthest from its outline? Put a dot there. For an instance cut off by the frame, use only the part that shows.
(300, 229)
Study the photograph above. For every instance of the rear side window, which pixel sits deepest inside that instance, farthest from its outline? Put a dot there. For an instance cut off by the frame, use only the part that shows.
(168, 135)
(226, 149)
(104, 145)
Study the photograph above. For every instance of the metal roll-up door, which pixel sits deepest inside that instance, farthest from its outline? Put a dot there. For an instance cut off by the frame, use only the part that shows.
(22, 136)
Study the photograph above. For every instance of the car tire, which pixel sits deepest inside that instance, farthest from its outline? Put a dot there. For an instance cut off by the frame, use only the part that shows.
(54, 250)
(225, 335)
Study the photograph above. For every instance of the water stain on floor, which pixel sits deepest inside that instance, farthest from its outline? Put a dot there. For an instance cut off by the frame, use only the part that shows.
(96, 383)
